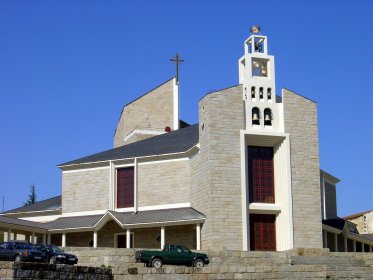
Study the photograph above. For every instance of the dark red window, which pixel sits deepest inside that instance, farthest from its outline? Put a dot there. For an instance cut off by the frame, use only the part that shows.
(125, 187)
(261, 178)
(262, 232)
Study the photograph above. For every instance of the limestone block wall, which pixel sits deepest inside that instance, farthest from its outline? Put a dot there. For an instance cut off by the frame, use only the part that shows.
(164, 183)
(216, 170)
(85, 190)
(364, 222)
(152, 111)
(300, 120)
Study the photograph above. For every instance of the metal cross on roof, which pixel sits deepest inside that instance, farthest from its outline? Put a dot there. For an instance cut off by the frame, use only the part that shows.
(177, 61)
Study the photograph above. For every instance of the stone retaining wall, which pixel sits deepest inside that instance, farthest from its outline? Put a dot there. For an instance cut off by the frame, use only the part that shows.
(39, 271)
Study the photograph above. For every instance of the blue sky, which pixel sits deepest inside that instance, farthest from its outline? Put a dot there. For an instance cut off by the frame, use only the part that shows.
(68, 67)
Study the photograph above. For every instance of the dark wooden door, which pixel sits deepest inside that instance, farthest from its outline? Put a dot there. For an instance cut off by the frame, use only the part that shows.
(262, 232)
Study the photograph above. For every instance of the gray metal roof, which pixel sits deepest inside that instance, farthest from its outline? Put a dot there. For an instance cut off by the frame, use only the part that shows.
(158, 216)
(173, 142)
(23, 223)
(128, 218)
(75, 222)
(49, 204)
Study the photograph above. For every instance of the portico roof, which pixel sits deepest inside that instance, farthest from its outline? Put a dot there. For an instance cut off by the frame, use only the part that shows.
(20, 224)
(149, 218)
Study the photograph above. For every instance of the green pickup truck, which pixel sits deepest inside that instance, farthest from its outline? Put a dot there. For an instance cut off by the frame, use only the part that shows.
(171, 254)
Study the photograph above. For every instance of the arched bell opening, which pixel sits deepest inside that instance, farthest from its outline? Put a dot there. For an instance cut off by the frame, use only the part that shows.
(255, 116)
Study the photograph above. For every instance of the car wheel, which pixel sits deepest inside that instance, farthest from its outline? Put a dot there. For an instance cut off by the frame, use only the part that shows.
(17, 259)
(52, 260)
(157, 263)
(198, 263)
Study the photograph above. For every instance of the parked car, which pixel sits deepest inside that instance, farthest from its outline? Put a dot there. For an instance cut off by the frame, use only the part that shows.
(20, 251)
(56, 255)
(172, 254)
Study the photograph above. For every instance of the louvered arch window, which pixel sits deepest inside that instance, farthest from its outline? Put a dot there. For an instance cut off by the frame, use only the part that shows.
(125, 187)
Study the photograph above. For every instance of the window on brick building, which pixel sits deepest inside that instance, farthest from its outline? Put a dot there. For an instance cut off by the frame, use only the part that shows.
(125, 187)
(262, 232)
(261, 177)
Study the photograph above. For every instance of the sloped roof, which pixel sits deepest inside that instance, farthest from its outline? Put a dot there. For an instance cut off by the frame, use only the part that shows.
(339, 223)
(169, 143)
(22, 223)
(128, 218)
(357, 215)
(53, 203)
(158, 216)
(75, 222)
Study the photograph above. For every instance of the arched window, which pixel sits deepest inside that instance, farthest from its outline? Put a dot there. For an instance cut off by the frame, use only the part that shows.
(269, 93)
(268, 117)
(255, 116)
(252, 92)
(260, 93)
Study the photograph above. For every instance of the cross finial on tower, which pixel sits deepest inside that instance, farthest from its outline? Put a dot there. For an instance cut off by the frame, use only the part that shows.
(177, 61)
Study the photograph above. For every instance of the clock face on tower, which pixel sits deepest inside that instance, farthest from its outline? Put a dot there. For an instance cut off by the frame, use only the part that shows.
(259, 67)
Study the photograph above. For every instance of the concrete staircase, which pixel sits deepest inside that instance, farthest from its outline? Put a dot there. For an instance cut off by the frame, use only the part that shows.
(340, 265)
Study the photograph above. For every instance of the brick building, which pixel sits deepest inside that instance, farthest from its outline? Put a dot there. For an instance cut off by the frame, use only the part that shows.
(246, 177)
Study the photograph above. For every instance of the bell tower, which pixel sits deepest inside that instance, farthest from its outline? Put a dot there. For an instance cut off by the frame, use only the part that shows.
(257, 75)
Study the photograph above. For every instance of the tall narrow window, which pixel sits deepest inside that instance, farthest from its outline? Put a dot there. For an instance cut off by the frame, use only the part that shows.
(255, 116)
(269, 93)
(125, 187)
(260, 93)
(261, 177)
(253, 92)
(262, 232)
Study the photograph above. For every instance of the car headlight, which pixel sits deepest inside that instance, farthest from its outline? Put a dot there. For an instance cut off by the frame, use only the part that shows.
(61, 256)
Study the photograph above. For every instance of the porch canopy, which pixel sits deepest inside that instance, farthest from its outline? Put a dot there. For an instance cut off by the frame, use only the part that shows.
(129, 221)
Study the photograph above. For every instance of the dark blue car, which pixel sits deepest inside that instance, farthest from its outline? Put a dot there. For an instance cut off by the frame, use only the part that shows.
(56, 255)
(20, 252)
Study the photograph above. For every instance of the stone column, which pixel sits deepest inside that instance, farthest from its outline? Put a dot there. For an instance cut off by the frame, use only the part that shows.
(198, 232)
(345, 244)
(33, 238)
(128, 238)
(163, 239)
(354, 245)
(336, 242)
(371, 249)
(95, 239)
(362, 247)
(44, 238)
(49, 238)
(9, 234)
(63, 239)
(325, 233)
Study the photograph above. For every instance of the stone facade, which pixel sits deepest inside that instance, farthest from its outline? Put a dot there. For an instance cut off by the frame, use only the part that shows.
(85, 190)
(152, 111)
(300, 121)
(216, 170)
(364, 222)
(40, 271)
(164, 183)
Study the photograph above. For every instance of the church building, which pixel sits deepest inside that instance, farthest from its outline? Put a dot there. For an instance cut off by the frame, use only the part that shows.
(245, 177)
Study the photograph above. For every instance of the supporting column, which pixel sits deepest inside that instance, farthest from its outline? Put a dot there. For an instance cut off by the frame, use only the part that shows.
(128, 238)
(336, 242)
(63, 239)
(95, 239)
(9, 234)
(198, 232)
(33, 238)
(354, 245)
(49, 238)
(162, 237)
(345, 244)
(44, 238)
(371, 249)
(362, 247)
(325, 233)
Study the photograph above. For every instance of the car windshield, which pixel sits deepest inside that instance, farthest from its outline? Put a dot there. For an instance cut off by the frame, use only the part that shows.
(22, 246)
(54, 249)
